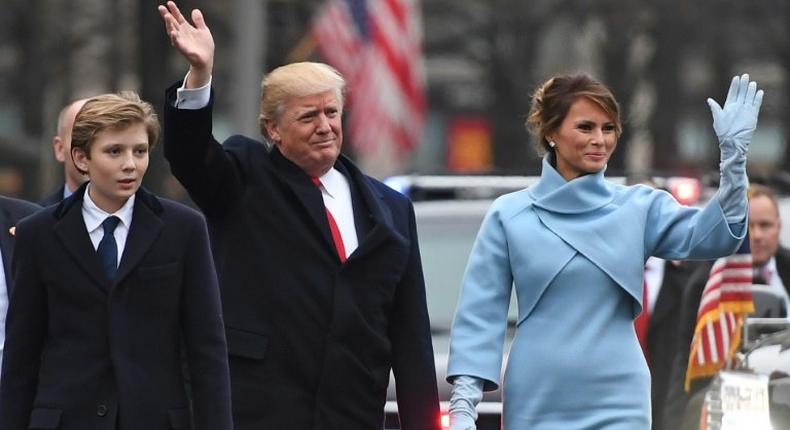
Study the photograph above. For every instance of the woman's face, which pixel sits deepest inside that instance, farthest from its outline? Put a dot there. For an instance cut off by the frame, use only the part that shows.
(584, 141)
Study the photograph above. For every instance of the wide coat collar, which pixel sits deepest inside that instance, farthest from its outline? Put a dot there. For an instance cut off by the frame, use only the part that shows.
(583, 194)
(70, 229)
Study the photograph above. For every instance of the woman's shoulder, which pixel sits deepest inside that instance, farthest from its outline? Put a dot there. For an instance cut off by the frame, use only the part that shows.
(512, 203)
(637, 194)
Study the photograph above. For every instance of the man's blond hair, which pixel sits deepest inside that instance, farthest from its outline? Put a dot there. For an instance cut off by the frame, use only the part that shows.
(296, 80)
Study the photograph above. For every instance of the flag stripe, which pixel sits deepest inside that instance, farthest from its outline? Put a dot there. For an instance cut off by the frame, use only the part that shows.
(386, 96)
(726, 299)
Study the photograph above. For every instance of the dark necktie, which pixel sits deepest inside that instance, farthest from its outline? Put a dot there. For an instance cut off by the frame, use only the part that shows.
(336, 237)
(108, 249)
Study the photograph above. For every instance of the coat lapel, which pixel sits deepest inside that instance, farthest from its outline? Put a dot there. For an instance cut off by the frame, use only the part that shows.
(6, 243)
(308, 195)
(310, 198)
(146, 227)
(382, 230)
(70, 229)
(782, 258)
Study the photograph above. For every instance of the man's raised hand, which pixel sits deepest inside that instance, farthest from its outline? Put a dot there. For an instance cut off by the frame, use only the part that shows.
(194, 42)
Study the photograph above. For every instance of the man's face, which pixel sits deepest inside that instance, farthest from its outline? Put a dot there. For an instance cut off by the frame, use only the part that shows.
(309, 131)
(62, 146)
(764, 225)
(117, 163)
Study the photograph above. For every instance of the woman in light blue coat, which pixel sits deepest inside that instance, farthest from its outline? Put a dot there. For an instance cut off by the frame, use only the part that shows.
(574, 246)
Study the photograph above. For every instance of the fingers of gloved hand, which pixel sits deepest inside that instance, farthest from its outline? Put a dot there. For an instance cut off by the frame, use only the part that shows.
(758, 99)
(732, 94)
(715, 109)
(751, 90)
(743, 89)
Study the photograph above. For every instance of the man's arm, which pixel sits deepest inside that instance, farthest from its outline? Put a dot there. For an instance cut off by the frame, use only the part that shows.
(196, 159)
(26, 328)
(412, 356)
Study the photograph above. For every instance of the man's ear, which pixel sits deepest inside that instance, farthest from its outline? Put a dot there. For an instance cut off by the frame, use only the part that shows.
(57, 148)
(80, 160)
(271, 130)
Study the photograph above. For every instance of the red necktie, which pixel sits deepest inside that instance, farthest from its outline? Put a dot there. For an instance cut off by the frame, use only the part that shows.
(643, 320)
(336, 237)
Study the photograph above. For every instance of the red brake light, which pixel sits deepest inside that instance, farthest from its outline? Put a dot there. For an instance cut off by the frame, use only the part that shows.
(445, 421)
(685, 190)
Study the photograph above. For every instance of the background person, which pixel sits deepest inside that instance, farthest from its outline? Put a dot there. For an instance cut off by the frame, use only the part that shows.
(319, 264)
(11, 211)
(110, 283)
(61, 146)
(574, 246)
(771, 264)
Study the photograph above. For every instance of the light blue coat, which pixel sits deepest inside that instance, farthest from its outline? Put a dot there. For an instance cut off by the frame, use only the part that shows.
(574, 251)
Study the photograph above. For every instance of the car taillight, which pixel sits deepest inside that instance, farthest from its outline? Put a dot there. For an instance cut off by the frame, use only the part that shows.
(445, 421)
(685, 190)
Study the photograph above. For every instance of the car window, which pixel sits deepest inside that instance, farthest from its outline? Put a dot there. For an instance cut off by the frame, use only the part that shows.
(447, 231)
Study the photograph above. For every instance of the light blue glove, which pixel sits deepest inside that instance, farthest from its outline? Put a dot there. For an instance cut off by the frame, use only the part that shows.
(734, 125)
(467, 393)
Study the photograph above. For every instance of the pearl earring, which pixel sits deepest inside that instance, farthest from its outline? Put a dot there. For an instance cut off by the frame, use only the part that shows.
(552, 144)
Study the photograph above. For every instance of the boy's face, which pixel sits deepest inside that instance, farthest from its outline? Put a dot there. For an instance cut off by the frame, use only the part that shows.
(118, 160)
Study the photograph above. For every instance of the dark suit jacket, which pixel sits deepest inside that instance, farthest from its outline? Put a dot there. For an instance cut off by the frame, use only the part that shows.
(662, 332)
(677, 398)
(311, 340)
(11, 211)
(53, 198)
(85, 353)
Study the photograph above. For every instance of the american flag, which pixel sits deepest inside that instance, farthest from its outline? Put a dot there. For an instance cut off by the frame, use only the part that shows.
(726, 300)
(375, 44)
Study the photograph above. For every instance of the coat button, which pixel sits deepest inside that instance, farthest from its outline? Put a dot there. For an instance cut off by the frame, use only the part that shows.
(101, 410)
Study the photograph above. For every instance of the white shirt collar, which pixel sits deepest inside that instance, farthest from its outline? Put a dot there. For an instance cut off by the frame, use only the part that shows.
(770, 266)
(333, 181)
(94, 216)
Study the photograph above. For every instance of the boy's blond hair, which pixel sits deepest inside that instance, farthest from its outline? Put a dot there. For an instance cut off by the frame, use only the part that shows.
(112, 112)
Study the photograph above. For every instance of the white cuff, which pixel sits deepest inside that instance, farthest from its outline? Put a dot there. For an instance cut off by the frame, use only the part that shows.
(193, 98)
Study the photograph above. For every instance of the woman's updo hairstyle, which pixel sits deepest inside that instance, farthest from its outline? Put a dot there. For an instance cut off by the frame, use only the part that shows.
(552, 100)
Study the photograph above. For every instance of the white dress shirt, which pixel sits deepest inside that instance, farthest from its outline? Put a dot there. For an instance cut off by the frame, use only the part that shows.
(193, 98)
(654, 277)
(94, 217)
(3, 305)
(336, 192)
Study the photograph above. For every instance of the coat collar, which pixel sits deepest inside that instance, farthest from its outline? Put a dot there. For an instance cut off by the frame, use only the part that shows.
(583, 194)
(70, 229)
(310, 197)
(6, 243)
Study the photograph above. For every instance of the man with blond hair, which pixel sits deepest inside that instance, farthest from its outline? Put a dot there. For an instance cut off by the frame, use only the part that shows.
(319, 264)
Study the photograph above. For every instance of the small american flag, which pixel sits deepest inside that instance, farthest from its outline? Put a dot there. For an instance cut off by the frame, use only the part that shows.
(376, 45)
(726, 300)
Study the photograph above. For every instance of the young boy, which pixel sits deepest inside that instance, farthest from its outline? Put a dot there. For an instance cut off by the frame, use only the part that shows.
(115, 290)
